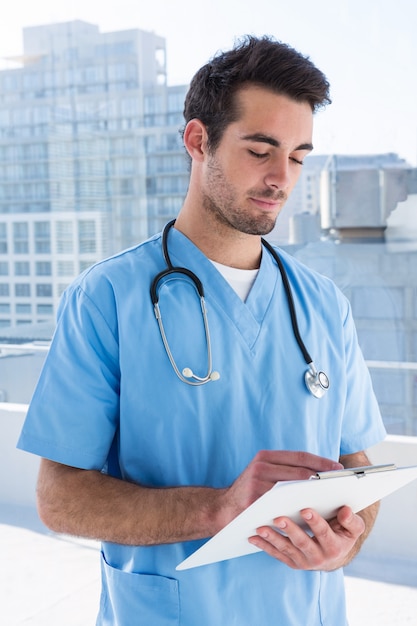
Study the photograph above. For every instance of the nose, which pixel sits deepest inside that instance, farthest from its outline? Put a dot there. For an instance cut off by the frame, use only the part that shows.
(278, 174)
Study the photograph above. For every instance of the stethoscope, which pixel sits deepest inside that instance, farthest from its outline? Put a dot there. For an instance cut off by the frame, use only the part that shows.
(317, 382)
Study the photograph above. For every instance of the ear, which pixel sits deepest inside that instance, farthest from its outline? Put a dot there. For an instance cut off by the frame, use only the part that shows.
(195, 139)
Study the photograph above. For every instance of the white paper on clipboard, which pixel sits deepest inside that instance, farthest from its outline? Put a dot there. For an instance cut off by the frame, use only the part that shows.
(288, 498)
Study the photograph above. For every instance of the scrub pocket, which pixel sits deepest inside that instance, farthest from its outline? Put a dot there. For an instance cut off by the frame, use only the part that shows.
(332, 600)
(129, 599)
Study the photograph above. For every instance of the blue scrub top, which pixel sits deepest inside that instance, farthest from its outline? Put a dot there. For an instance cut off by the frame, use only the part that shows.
(108, 399)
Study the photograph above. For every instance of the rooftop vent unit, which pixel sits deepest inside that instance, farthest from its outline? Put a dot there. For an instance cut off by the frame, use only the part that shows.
(355, 203)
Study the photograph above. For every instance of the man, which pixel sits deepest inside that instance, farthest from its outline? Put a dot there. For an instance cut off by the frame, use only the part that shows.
(150, 465)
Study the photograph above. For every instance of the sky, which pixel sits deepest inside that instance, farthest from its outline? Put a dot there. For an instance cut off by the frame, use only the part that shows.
(366, 48)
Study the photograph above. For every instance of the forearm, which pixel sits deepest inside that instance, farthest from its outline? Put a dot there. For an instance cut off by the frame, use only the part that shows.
(369, 514)
(90, 504)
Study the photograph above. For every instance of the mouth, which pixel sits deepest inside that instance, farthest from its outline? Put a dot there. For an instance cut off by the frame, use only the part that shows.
(267, 205)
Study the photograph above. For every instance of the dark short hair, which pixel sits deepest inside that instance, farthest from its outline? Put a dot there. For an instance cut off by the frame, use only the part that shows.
(260, 61)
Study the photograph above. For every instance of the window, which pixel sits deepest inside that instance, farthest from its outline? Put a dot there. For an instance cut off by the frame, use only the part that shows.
(168, 163)
(154, 104)
(44, 309)
(40, 114)
(4, 118)
(171, 141)
(4, 289)
(43, 268)
(126, 186)
(44, 290)
(21, 116)
(118, 71)
(42, 237)
(3, 238)
(32, 81)
(22, 268)
(20, 230)
(22, 290)
(61, 288)
(65, 268)
(129, 107)
(176, 101)
(64, 237)
(10, 81)
(4, 268)
(23, 309)
(4, 308)
(125, 166)
(94, 74)
(123, 145)
(87, 236)
(21, 237)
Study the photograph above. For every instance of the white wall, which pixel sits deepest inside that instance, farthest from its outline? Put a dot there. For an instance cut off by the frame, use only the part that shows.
(18, 470)
(395, 530)
(19, 374)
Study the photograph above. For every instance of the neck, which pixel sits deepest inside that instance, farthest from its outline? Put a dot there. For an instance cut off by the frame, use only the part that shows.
(220, 242)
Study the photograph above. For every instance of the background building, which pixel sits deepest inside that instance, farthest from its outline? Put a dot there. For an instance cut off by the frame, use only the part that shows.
(91, 159)
(91, 162)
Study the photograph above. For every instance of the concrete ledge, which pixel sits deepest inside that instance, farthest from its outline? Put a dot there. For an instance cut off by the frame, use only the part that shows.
(390, 552)
(19, 469)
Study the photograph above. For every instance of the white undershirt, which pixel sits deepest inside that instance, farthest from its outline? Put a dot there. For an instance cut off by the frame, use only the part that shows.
(240, 280)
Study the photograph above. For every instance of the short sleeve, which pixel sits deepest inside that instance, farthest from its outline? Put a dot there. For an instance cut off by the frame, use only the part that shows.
(73, 416)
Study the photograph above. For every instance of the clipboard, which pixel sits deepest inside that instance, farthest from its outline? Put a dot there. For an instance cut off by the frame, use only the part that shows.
(325, 492)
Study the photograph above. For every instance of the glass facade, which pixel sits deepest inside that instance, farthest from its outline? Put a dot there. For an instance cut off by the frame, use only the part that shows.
(90, 157)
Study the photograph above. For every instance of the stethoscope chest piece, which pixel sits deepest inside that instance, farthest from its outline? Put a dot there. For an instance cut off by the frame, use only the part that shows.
(317, 382)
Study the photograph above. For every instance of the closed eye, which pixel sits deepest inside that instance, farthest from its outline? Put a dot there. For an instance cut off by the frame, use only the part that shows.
(296, 161)
(258, 155)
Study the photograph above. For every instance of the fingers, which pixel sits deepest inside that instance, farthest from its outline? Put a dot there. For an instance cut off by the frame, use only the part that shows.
(280, 465)
(267, 468)
(325, 549)
(297, 460)
(350, 522)
(270, 466)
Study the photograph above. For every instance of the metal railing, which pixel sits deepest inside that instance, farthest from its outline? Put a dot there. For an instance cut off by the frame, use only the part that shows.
(397, 397)
(13, 348)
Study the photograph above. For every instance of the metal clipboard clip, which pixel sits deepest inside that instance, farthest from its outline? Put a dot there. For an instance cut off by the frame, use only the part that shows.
(359, 472)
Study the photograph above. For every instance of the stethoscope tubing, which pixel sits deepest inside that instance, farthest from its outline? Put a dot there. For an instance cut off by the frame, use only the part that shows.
(290, 300)
(316, 382)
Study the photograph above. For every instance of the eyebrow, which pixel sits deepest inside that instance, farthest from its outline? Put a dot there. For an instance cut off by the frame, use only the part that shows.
(259, 137)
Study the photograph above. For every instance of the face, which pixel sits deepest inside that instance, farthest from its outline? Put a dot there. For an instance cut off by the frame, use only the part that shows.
(249, 176)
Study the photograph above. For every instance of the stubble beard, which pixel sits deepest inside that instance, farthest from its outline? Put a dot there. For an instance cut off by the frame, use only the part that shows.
(220, 203)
